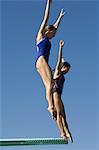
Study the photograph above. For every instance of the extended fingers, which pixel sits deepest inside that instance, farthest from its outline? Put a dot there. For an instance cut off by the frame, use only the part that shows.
(62, 12)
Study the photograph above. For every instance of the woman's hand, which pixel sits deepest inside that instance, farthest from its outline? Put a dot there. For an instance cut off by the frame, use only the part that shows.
(61, 43)
(62, 13)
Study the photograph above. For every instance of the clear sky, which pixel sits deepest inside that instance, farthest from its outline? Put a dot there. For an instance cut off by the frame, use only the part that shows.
(23, 107)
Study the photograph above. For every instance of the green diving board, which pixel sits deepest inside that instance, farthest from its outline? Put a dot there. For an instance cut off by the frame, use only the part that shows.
(32, 141)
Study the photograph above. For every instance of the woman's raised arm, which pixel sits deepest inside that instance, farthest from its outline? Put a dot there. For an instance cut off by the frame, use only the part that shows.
(57, 68)
(60, 54)
(45, 19)
(57, 23)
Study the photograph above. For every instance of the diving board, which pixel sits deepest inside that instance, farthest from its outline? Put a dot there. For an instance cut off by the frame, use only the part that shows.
(32, 141)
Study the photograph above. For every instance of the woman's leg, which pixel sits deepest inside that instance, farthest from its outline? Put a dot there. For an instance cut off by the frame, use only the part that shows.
(45, 72)
(57, 104)
(65, 125)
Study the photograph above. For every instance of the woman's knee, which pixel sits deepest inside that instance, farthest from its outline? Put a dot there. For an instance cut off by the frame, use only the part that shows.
(59, 114)
(49, 86)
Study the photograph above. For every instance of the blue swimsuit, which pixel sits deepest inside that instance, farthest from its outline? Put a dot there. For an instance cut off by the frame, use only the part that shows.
(43, 49)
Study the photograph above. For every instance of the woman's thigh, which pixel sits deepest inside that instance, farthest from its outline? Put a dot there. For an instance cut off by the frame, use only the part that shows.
(44, 71)
(57, 102)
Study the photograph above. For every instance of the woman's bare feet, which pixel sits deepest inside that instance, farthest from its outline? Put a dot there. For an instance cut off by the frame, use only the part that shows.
(64, 137)
(53, 113)
(69, 137)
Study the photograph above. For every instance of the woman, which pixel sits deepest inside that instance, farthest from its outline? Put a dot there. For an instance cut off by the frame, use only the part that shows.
(61, 69)
(44, 35)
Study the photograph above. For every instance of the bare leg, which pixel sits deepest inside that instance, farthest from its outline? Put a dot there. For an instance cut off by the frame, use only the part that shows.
(65, 125)
(57, 105)
(45, 72)
(61, 117)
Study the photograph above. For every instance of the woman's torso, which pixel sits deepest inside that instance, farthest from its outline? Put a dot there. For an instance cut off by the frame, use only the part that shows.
(59, 83)
(43, 49)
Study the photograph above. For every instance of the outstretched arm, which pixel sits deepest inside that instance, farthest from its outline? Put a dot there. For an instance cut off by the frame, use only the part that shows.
(45, 19)
(57, 23)
(57, 68)
(60, 54)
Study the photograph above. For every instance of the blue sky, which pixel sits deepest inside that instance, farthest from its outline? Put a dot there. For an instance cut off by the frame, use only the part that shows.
(23, 110)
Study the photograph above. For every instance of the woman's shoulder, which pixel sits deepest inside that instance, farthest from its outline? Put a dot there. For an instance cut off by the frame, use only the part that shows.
(56, 74)
(40, 37)
(39, 40)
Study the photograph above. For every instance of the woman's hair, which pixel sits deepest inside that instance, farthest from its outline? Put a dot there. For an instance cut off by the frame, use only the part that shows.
(62, 64)
(49, 27)
(66, 64)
